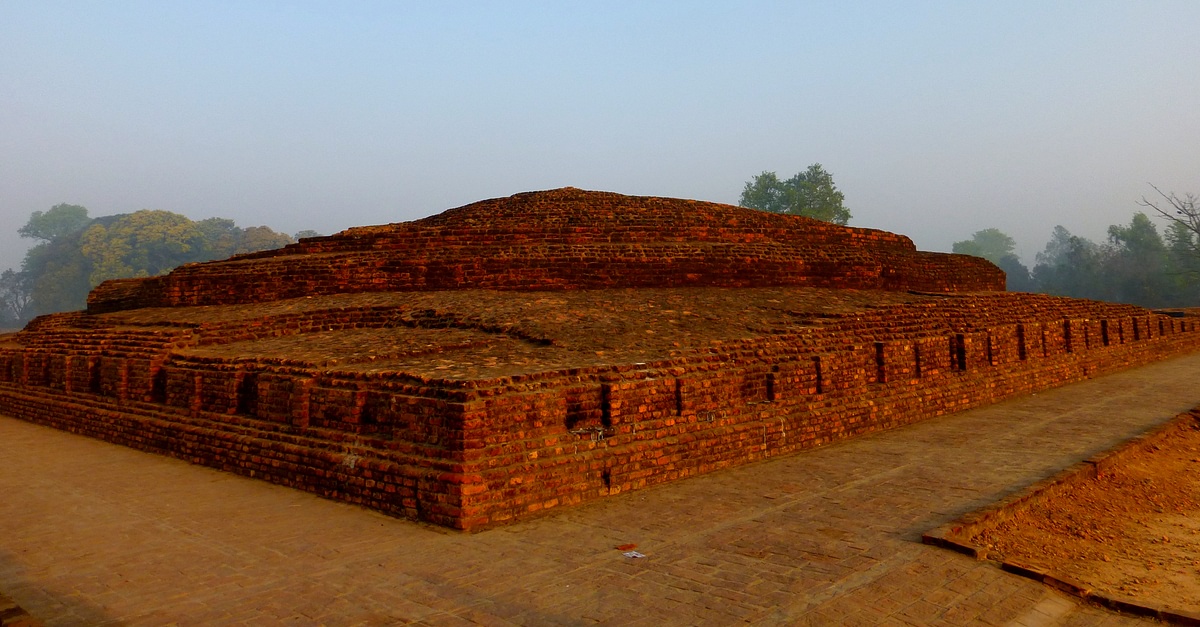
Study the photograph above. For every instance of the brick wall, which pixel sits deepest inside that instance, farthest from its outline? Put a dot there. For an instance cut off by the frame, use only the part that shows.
(472, 454)
(566, 239)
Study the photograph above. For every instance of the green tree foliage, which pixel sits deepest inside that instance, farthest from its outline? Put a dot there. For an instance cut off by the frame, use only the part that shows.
(54, 271)
(58, 273)
(1136, 265)
(144, 243)
(997, 247)
(256, 238)
(221, 237)
(810, 193)
(1183, 264)
(76, 253)
(1069, 266)
(1137, 262)
(991, 244)
(15, 294)
(1016, 275)
(147, 243)
(1182, 213)
(61, 220)
(305, 233)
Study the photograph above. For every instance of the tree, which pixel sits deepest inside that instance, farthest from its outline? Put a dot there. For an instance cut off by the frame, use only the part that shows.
(991, 244)
(77, 253)
(1181, 211)
(15, 295)
(1183, 265)
(1057, 249)
(61, 220)
(139, 244)
(1016, 275)
(256, 238)
(58, 275)
(53, 270)
(1182, 244)
(811, 193)
(305, 233)
(221, 237)
(1070, 266)
(1137, 264)
(997, 247)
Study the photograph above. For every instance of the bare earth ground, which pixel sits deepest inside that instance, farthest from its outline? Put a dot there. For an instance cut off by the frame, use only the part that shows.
(92, 533)
(512, 333)
(1134, 531)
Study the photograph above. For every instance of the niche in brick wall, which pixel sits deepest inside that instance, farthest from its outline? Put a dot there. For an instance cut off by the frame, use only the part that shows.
(606, 405)
(819, 375)
(247, 394)
(338, 408)
(37, 369)
(157, 384)
(755, 386)
(382, 411)
(584, 408)
(57, 372)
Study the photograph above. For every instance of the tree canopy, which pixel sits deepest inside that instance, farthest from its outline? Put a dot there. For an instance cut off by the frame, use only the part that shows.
(61, 220)
(991, 244)
(1139, 257)
(14, 298)
(1134, 266)
(997, 247)
(75, 253)
(144, 243)
(810, 193)
(1183, 214)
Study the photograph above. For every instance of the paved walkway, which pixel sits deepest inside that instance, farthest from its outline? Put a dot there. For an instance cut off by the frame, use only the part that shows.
(94, 534)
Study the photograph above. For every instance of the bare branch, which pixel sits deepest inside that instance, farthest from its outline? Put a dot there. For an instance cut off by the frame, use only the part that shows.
(1183, 211)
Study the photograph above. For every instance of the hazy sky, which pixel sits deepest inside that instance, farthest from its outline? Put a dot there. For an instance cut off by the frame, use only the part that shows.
(936, 119)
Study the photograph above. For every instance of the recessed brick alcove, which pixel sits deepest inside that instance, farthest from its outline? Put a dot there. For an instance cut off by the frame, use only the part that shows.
(520, 354)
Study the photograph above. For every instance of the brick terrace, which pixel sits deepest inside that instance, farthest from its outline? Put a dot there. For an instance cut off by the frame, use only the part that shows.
(469, 407)
(95, 534)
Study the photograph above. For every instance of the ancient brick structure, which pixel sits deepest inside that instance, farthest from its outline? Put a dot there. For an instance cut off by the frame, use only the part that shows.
(519, 354)
(566, 239)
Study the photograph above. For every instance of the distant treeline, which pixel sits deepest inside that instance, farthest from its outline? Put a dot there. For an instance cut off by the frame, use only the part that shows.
(1135, 265)
(75, 253)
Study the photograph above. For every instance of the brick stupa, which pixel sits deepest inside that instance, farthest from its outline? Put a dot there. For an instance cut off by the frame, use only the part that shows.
(519, 354)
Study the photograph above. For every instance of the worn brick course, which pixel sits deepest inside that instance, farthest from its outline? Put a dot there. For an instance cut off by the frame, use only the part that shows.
(493, 362)
(566, 239)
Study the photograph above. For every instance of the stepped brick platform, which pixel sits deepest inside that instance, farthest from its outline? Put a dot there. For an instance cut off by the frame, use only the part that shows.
(566, 239)
(551, 348)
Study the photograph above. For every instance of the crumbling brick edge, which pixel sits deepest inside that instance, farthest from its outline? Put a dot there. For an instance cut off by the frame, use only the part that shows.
(952, 535)
(13, 615)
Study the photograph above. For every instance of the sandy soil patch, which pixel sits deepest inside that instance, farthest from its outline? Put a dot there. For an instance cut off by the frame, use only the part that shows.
(1133, 532)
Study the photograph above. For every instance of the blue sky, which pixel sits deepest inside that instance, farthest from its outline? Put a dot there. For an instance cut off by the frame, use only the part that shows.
(936, 119)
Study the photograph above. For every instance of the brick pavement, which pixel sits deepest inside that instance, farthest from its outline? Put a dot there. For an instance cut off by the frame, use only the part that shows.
(95, 534)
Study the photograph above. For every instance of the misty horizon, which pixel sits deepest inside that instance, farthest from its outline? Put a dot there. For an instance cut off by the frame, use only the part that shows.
(936, 120)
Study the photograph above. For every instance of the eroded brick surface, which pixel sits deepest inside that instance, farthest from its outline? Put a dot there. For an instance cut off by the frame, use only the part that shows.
(472, 407)
(567, 239)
